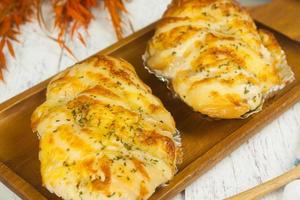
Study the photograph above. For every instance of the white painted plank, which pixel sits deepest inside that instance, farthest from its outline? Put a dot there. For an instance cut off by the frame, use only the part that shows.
(270, 153)
(6, 194)
(37, 58)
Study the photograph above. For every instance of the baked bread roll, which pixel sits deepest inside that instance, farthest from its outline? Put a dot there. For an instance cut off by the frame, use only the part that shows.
(103, 135)
(215, 58)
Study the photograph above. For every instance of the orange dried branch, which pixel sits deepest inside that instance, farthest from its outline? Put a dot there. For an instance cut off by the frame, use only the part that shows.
(2, 44)
(115, 7)
(10, 48)
(80, 37)
(13, 13)
(70, 16)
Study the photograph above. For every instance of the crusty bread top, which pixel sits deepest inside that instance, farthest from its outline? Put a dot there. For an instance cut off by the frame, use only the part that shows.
(103, 135)
(217, 60)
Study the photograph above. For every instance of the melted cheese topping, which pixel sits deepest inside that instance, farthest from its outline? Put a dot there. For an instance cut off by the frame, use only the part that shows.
(216, 59)
(103, 135)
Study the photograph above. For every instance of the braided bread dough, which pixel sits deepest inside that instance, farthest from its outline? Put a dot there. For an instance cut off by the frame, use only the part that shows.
(216, 59)
(103, 135)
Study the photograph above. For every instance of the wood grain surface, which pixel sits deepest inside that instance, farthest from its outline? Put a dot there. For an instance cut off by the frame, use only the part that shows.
(267, 187)
(204, 141)
(268, 154)
(281, 15)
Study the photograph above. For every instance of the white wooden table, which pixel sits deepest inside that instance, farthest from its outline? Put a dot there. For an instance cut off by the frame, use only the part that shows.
(269, 153)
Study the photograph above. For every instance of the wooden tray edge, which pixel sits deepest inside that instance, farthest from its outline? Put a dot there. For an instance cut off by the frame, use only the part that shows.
(231, 142)
(42, 85)
(7, 176)
(18, 185)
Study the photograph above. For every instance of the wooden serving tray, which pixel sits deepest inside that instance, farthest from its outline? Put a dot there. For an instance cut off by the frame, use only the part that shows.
(205, 142)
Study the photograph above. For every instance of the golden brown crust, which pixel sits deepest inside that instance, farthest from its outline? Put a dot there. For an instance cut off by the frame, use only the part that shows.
(216, 59)
(103, 135)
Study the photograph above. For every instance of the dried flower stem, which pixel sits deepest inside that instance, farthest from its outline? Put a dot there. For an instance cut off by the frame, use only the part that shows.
(70, 16)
